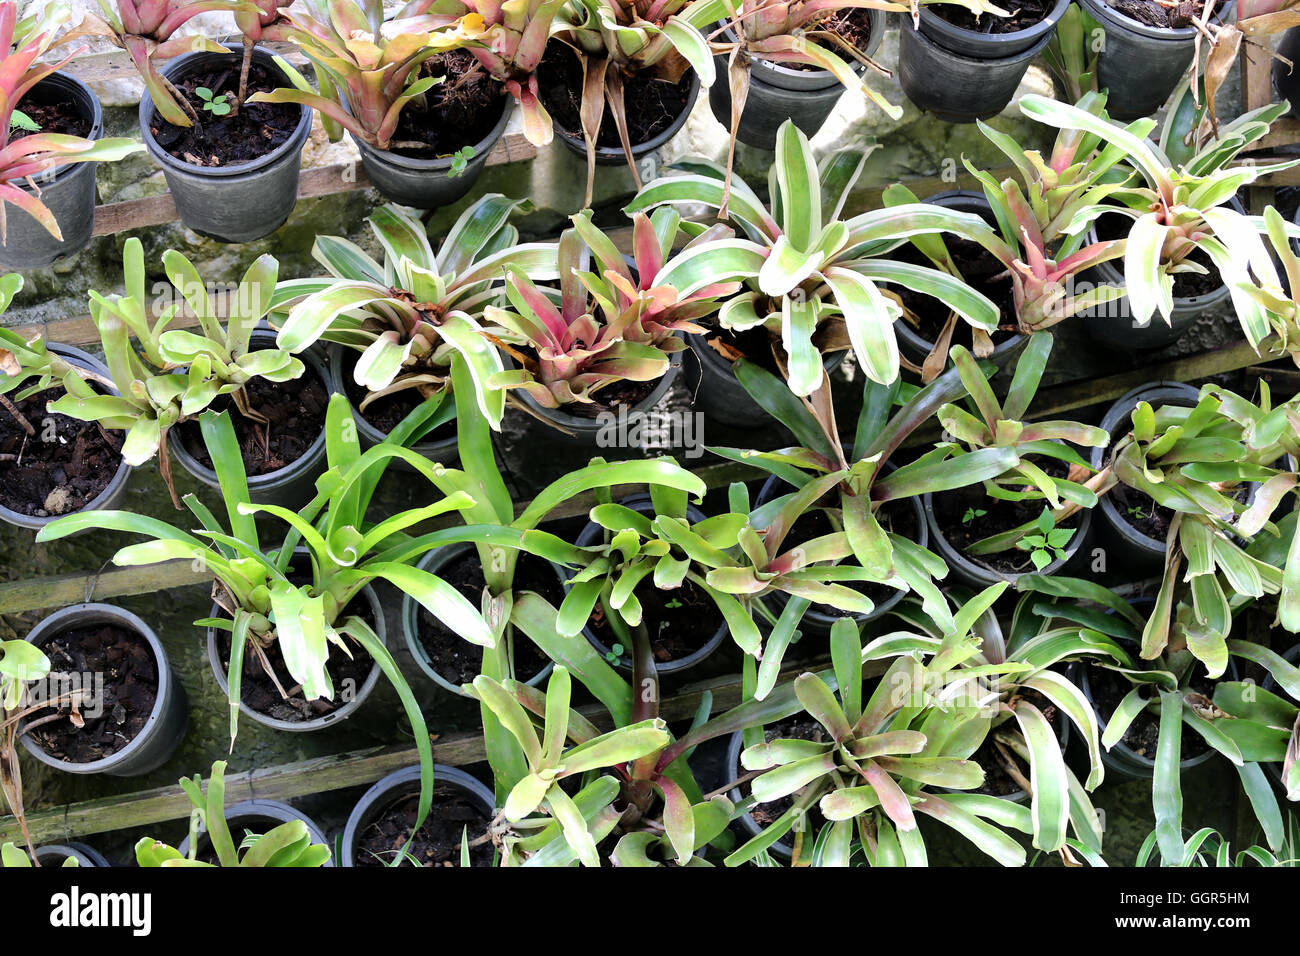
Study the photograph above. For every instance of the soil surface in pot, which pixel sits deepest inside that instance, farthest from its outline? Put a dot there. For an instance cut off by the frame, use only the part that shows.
(1143, 734)
(998, 781)
(233, 139)
(612, 397)
(295, 413)
(387, 413)
(967, 515)
(1155, 14)
(1023, 16)
(438, 842)
(1141, 512)
(765, 814)
(62, 116)
(260, 693)
(652, 104)
(897, 516)
(926, 315)
(108, 722)
(758, 345)
(455, 658)
(1186, 284)
(679, 621)
(853, 26)
(460, 111)
(44, 478)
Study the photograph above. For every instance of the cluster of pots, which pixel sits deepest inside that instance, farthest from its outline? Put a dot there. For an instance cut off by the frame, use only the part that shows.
(957, 74)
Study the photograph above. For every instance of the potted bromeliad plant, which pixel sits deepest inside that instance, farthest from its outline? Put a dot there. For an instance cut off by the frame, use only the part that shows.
(51, 129)
(422, 111)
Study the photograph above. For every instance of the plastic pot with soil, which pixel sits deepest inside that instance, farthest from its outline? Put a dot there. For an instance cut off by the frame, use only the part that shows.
(805, 94)
(1286, 79)
(1133, 756)
(1111, 323)
(684, 625)
(656, 108)
(381, 822)
(959, 518)
(1133, 528)
(962, 68)
(64, 105)
(1147, 50)
(259, 817)
(354, 676)
(711, 377)
(925, 317)
(902, 516)
(77, 467)
(234, 177)
(382, 415)
(447, 658)
(426, 165)
(117, 707)
(762, 815)
(284, 455)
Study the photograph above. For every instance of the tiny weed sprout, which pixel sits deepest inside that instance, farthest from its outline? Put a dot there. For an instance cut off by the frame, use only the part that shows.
(460, 160)
(1047, 543)
(216, 105)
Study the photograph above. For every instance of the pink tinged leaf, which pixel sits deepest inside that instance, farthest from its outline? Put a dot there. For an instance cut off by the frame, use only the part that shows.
(32, 206)
(893, 800)
(527, 298)
(679, 820)
(649, 254)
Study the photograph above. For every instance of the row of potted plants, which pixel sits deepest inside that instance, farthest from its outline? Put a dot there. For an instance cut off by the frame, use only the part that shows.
(426, 91)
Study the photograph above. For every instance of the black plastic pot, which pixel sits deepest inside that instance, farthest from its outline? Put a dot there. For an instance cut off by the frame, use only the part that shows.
(433, 562)
(590, 535)
(428, 183)
(67, 192)
(778, 93)
(583, 433)
(1127, 548)
(956, 88)
(291, 486)
(817, 622)
(782, 850)
(1286, 79)
(261, 816)
(1138, 64)
(113, 493)
(1111, 323)
(1122, 760)
(964, 570)
(53, 855)
(243, 201)
(166, 726)
(984, 44)
(399, 784)
(339, 714)
(911, 344)
(718, 394)
(443, 450)
(613, 155)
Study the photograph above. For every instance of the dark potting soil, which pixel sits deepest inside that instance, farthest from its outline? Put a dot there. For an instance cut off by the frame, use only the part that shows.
(62, 116)
(679, 621)
(952, 509)
(296, 416)
(927, 316)
(233, 139)
(652, 104)
(1186, 284)
(1024, 14)
(853, 26)
(460, 111)
(1154, 14)
(764, 814)
(387, 413)
(897, 516)
(64, 474)
(259, 692)
(756, 344)
(1108, 689)
(130, 687)
(1140, 510)
(998, 781)
(455, 658)
(438, 842)
(612, 397)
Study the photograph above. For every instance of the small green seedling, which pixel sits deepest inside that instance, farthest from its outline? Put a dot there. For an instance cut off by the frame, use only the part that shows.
(971, 514)
(216, 105)
(460, 160)
(20, 120)
(614, 654)
(1049, 543)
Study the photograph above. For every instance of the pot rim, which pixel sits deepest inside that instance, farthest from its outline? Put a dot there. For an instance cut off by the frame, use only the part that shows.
(941, 27)
(262, 809)
(1109, 16)
(615, 153)
(439, 165)
(977, 63)
(88, 613)
(68, 81)
(879, 24)
(293, 144)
